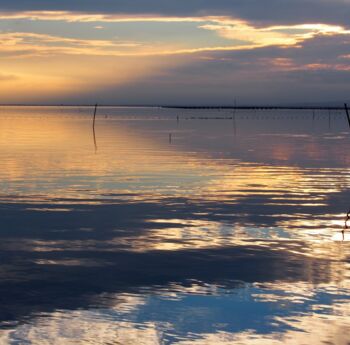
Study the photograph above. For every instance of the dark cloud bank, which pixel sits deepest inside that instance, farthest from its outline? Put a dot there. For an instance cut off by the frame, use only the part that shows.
(269, 11)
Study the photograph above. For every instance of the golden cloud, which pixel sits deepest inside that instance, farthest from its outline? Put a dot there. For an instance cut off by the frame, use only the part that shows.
(248, 35)
(287, 35)
(23, 43)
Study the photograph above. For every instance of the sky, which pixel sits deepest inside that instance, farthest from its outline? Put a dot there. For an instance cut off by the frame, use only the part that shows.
(183, 52)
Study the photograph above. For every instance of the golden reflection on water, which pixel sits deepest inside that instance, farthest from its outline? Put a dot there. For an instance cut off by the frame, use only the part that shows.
(51, 157)
(54, 158)
(36, 149)
(259, 196)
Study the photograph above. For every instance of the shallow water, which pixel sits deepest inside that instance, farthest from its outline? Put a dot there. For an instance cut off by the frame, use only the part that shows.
(166, 226)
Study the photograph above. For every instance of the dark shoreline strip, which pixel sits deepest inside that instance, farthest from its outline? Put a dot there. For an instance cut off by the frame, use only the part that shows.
(253, 108)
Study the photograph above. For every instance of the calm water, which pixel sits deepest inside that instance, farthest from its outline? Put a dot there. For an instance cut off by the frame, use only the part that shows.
(158, 230)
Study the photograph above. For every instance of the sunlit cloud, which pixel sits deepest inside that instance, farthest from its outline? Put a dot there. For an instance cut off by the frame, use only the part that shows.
(62, 49)
(40, 44)
(246, 34)
(21, 44)
(7, 77)
(95, 17)
(274, 35)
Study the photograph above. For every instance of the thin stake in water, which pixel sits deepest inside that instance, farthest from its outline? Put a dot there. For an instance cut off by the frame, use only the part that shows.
(347, 113)
(95, 111)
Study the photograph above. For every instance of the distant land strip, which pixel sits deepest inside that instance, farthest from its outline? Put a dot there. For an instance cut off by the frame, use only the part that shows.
(257, 107)
(188, 107)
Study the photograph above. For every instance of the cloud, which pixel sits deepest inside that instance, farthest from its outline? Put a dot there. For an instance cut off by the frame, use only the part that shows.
(70, 16)
(32, 44)
(315, 70)
(238, 35)
(196, 49)
(8, 77)
(275, 35)
(268, 11)
(22, 44)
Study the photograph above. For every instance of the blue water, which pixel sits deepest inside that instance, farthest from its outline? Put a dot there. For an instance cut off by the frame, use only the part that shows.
(165, 226)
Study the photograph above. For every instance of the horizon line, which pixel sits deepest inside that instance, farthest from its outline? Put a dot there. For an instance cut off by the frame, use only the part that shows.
(188, 107)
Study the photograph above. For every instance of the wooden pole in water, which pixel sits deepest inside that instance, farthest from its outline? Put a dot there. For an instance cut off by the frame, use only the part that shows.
(95, 111)
(347, 113)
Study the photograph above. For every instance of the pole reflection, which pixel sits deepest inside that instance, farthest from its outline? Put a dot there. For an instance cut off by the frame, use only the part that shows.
(201, 241)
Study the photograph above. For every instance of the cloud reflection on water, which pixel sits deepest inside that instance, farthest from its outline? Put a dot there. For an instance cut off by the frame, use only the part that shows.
(188, 226)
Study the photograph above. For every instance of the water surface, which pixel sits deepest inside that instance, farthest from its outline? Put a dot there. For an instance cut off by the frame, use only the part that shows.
(164, 226)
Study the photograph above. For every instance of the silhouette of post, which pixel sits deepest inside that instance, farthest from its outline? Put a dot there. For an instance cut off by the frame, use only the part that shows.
(95, 111)
(347, 113)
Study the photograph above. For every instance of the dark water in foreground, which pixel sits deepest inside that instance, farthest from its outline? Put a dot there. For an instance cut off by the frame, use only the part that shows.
(158, 231)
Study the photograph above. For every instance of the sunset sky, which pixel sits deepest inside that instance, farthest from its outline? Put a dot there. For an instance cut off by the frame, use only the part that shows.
(174, 52)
